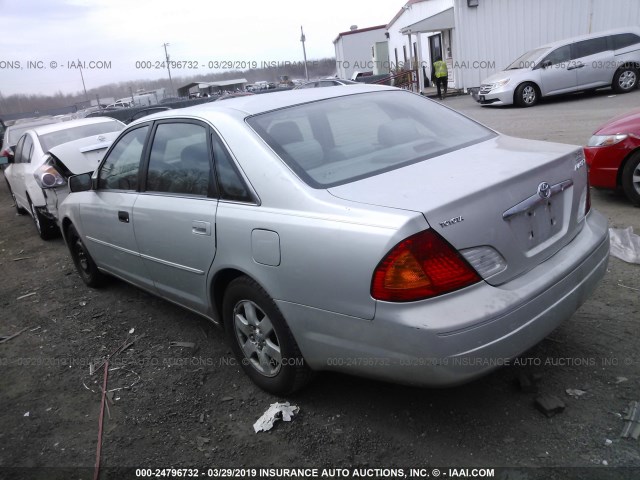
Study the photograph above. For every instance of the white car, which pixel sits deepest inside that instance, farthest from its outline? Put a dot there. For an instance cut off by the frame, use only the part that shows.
(46, 156)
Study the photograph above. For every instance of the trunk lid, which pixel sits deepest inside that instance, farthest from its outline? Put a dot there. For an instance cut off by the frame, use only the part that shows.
(491, 194)
(83, 155)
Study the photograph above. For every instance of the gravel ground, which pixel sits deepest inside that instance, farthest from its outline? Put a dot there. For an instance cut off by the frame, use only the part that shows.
(192, 407)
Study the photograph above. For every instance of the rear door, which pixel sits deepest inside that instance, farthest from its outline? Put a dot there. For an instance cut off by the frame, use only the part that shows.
(593, 61)
(22, 159)
(107, 218)
(174, 215)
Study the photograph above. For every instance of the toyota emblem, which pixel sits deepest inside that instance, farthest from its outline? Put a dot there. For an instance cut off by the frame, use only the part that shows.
(544, 190)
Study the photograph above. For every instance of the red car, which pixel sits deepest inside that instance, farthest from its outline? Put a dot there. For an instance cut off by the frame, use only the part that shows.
(613, 155)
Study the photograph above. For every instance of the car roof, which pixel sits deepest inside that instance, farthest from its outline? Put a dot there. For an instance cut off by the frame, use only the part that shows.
(255, 104)
(559, 43)
(55, 127)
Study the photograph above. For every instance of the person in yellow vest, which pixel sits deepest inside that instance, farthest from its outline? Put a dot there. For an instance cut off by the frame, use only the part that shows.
(440, 76)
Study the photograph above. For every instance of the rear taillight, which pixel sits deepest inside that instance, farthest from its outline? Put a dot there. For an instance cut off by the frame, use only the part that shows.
(421, 266)
(48, 177)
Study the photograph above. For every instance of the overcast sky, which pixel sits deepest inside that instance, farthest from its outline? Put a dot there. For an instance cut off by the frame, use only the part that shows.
(52, 33)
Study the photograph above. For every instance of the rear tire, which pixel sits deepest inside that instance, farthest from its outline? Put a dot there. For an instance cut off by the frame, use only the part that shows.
(85, 265)
(631, 179)
(47, 228)
(526, 95)
(261, 340)
(625, 80)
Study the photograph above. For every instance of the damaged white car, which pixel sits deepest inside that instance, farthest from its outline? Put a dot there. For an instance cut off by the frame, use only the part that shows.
(46, 156)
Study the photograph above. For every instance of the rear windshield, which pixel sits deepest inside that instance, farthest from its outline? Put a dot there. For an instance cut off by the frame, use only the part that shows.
(53, 139)
(527, 60)
(343, 139)
(15, 132)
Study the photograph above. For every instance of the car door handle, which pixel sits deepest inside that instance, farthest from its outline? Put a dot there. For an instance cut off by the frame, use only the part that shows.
(123, 216)
(200, 228)
(579, 65)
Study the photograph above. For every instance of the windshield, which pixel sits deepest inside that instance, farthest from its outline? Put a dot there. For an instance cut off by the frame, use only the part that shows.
(53, 139)
(528, 60)
(343, 139)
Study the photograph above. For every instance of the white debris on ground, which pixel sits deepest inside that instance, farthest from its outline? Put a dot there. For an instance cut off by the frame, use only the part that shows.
(275, 412)
(625, 245)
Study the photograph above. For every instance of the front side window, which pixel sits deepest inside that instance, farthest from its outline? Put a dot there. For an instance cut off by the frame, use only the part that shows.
(120, 170)
(179, 161)
(343, 139)
(559, 56)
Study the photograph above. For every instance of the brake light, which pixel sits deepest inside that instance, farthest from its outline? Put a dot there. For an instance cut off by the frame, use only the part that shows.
(48, 177)
(421, 266)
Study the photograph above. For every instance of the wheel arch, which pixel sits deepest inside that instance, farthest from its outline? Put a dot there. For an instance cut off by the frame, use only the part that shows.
(219, 284)
(532, 82)
(624, 162)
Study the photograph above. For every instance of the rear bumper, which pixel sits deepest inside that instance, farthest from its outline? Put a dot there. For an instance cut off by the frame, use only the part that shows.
(460, 336)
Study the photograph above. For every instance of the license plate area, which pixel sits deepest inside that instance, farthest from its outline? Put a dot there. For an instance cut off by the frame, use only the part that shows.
(535, 227)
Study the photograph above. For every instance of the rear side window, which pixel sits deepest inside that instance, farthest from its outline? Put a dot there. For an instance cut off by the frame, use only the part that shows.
(18, 151)
(231, 185)
(179, 161)
(623, 40)
(590, 47)
(27, 150)
(120, 170)
(343, 139)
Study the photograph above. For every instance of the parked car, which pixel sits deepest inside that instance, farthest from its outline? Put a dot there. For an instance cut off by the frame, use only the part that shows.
(144, 113)
(38, 174)
(326, 82)
(363, 229)
(603, 59)
(613, 155)
(13, 132)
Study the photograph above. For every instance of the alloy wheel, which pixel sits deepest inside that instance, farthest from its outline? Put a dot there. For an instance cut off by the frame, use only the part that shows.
(257, 338)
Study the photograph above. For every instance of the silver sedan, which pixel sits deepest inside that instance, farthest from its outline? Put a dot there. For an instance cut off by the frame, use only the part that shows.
(362, 229)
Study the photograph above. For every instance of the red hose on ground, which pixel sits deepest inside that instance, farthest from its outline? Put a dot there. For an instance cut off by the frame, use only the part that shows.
(96, 472)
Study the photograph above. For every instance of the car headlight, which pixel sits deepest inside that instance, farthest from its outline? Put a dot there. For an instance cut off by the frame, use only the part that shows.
(606, 140)
(499, 84)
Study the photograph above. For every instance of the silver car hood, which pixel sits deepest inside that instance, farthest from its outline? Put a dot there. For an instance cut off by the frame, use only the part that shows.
(84, 155)
(465, 196)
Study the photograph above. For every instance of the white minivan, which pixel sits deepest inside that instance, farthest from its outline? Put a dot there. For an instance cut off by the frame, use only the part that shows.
(604, 59)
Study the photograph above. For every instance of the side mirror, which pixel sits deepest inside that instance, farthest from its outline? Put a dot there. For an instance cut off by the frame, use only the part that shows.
(546, 63)
(80, 183)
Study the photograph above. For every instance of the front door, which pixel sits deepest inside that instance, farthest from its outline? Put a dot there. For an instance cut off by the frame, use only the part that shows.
(107, 216)
(558, 72)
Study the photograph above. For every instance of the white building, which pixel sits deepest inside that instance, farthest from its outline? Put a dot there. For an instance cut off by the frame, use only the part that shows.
(480, 37)
(355, 50)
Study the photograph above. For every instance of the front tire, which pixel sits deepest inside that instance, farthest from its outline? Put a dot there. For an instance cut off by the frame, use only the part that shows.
(526, 95)
(47, 228)
(85, 265)
(631, 179)
(261, 340)
(625, 80)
